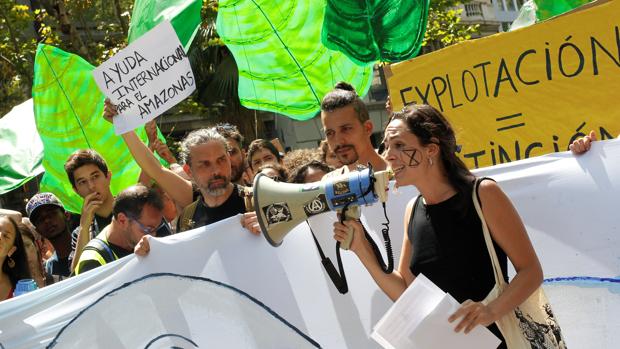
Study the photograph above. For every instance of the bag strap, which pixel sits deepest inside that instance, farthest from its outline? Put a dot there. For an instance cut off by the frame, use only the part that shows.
(102, 248)
(497, 270)
(187, 215)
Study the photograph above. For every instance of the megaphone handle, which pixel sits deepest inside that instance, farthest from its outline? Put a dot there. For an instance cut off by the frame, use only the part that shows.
(349, 212)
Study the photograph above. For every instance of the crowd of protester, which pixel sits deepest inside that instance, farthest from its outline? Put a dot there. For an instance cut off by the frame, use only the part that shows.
(209, 182)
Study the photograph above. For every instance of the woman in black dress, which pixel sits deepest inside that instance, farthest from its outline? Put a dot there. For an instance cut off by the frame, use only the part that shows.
(443, 236)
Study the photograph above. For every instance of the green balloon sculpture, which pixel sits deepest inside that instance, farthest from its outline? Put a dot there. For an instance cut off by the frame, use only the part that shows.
(68, 107)
(379, 30)
(283, 66)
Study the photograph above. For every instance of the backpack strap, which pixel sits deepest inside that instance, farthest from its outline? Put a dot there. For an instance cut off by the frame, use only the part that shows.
(186, 219)
(102, 248)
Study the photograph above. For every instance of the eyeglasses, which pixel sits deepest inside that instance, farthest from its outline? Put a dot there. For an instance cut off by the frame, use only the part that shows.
(148, 230)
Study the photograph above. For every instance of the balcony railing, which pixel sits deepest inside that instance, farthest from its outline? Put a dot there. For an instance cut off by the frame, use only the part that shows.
(473, 9)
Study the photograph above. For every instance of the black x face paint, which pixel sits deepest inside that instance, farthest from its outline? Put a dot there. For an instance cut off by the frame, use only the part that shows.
(413, 156)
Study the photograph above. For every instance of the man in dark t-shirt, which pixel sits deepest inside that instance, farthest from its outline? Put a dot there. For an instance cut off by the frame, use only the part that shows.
(205, 215)
(207, 162)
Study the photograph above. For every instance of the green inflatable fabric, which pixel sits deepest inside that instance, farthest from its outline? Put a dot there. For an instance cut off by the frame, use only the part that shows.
(375, 30)
(184, 15)
(21, 150)
(67, 108)
(549, 8)
(283, 65)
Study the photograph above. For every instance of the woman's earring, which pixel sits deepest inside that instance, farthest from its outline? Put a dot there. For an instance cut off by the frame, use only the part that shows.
(430, 161)
(11, 263)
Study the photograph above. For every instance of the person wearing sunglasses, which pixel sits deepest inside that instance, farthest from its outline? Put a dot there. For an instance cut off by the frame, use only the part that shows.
(137, 213)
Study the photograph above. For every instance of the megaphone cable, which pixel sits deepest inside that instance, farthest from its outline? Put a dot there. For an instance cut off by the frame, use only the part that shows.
(338, 277)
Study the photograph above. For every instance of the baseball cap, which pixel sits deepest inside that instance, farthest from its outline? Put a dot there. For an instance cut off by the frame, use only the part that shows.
(39, 200)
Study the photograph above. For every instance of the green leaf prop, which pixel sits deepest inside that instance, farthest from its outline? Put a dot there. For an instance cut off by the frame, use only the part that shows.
(183, 14)
(549, 8)
(283, 66)
(21, 150)
(67, 108)
(377, 30)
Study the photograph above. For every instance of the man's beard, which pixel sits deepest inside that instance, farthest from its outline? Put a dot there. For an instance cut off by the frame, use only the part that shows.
(351, 157)
(237, 172)
(218, 189)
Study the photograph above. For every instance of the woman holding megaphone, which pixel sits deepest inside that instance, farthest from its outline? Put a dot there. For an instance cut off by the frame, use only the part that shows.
(443, 236)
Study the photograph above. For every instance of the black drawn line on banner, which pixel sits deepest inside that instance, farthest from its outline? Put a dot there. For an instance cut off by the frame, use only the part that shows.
(508, 117)
(54, 342)
(148, 345)
(511, 126)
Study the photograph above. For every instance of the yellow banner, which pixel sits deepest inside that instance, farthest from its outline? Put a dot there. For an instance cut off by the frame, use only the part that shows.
(525, 93)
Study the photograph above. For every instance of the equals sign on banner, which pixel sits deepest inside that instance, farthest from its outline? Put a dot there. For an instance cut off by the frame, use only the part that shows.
(513, 120)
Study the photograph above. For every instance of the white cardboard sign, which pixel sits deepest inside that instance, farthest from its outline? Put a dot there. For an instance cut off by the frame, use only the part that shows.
(146, 78)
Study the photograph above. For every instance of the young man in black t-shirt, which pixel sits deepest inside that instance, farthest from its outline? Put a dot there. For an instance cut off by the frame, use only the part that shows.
(90, 178)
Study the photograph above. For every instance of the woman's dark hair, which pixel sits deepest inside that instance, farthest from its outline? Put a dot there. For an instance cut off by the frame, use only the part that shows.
(299, 174)
(259, 144)
(21, 269)
(430, 126)
(282, 174)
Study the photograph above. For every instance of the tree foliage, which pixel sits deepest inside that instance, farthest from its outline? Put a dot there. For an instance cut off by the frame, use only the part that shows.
(444, 26)
(97, 29)
(20, 31)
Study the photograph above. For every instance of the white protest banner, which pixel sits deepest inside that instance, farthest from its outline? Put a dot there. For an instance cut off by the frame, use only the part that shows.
(146, 78)
(220, 286)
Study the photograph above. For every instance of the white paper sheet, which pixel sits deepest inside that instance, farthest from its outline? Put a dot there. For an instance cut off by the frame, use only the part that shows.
(417, 302)
(419, 319)
(436, 332)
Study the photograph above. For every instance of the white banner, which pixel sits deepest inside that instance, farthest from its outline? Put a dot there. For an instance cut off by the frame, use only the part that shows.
(146, 78)
(220, 286)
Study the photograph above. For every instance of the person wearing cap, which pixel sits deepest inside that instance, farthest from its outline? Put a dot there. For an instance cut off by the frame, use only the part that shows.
(136, 213)
(47, 213)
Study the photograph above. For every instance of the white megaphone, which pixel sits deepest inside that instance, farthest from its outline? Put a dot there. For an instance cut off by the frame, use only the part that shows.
(280, 207)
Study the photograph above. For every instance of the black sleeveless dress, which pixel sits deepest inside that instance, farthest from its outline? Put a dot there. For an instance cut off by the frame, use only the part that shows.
(449, 249)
